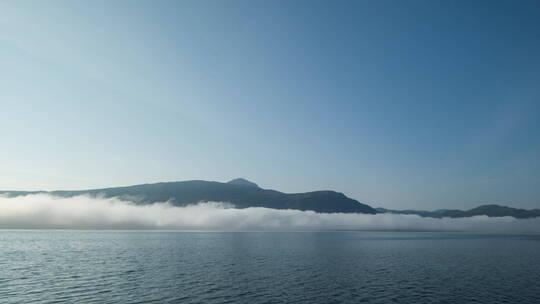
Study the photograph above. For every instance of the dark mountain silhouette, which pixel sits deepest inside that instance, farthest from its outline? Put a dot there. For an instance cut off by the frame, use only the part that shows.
(240, 192)
(242, 182)
(243, 194)
(489, 210)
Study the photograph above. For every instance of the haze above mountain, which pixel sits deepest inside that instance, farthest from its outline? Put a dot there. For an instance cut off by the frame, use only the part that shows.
(243, 194)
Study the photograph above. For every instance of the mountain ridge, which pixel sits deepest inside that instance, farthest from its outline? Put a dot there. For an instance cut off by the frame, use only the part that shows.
(492, 210)
(244, 194)
(242, 182)
(239, 192)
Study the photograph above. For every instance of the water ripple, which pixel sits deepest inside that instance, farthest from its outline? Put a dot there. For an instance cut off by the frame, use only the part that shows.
(320, 267)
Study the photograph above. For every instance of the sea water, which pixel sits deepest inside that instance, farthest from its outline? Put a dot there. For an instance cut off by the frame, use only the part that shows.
(267, 267)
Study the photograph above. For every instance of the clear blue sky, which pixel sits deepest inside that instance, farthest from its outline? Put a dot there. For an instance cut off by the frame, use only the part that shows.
(402, 104)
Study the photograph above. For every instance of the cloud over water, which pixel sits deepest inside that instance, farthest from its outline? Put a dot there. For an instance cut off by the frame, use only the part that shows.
(43, 211)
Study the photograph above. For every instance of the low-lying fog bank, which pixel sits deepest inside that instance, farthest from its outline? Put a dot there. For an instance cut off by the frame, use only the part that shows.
(42, 211)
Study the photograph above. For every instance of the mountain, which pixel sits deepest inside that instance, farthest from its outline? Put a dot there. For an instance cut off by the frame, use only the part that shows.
(240, 192)
(242, 182)
(243, 194)
(489, 210)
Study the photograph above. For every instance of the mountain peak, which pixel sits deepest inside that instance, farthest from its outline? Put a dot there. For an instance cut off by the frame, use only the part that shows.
(242, 182)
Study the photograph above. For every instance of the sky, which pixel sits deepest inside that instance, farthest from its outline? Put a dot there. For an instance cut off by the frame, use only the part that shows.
(400, 104)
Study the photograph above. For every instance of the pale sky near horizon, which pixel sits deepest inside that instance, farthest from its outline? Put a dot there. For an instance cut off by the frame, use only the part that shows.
(400, 104)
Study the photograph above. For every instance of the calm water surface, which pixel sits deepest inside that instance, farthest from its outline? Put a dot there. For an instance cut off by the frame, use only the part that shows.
(252, 267)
